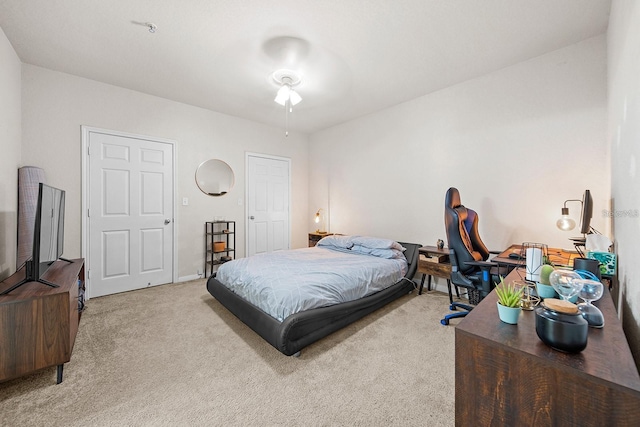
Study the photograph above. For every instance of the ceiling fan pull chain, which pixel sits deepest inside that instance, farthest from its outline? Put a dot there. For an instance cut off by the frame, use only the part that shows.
(286, 113)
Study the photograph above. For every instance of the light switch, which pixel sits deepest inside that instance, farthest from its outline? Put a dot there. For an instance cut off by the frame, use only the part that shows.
(185, 201)
(240, 202)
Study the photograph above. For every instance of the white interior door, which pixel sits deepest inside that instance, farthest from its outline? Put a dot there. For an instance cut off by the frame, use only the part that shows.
(267, 204)
(130, 212)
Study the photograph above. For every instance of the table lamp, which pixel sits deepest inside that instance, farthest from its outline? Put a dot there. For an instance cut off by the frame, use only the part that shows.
(319, 219)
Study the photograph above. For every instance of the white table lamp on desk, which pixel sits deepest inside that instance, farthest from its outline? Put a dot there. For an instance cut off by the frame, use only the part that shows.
(534, 262)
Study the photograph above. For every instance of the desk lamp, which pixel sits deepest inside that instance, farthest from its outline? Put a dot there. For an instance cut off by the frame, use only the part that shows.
(566, 223)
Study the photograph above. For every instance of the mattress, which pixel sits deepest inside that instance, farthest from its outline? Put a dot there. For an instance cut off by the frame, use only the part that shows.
(286, 282)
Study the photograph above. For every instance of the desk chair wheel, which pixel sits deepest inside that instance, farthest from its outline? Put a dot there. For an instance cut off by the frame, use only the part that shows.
(452, 307)
(445, 322)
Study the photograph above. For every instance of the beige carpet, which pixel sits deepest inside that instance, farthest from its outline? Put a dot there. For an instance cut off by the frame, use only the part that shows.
(172, 355)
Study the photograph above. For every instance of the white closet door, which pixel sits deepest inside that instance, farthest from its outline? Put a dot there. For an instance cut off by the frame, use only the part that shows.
(268, 204)
(130, 217)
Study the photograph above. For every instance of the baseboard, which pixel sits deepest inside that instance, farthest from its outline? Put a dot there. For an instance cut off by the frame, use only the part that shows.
(189, 278)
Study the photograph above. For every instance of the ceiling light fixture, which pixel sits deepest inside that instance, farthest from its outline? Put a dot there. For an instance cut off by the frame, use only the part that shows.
(287, 96)
(152, 27)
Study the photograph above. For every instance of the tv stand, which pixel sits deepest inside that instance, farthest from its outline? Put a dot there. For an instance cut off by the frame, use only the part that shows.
(17, 285)
(28, 277)
(38, 324)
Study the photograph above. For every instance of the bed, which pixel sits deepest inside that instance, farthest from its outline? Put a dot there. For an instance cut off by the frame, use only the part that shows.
(294, 298)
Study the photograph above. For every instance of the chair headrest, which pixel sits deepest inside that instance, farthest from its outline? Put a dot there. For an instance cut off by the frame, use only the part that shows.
(452, 198)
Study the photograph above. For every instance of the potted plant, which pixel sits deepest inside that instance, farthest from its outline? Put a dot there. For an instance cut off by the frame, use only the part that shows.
(509, 297)
(543, 287)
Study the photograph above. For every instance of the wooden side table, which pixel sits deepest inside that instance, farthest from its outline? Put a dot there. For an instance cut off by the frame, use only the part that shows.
(435, 262)
(314, 238)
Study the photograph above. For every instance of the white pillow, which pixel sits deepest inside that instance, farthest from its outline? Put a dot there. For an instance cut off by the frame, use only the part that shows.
(380, 253)
(377, 243)
(342, 242)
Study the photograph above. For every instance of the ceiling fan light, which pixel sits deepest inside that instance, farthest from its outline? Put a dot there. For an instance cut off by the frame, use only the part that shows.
(294, 97)
(280, 100)
(286, 96)
(283, 95)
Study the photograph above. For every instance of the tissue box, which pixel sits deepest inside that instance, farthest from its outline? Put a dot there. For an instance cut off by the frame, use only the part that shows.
(607, 262)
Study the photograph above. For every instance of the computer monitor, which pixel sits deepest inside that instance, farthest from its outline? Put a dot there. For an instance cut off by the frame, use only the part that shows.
(587, 213)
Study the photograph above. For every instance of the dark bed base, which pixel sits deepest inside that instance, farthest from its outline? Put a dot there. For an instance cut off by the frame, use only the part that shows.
(301, 329)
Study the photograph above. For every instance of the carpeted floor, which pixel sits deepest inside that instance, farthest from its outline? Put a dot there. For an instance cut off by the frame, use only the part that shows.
(172, 355)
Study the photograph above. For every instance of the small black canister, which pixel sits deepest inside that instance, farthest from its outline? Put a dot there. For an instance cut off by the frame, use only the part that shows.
(560, 325)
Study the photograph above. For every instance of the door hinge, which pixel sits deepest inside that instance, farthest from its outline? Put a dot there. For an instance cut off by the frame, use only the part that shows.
(88, 213)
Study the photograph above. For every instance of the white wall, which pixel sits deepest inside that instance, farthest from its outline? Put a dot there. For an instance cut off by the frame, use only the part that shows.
(516, 143)
(55, 105)
(624, 137)
(10, 116)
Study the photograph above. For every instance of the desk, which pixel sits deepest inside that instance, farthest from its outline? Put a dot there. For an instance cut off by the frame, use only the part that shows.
(506, 376)
(559, 257)
(434, 261)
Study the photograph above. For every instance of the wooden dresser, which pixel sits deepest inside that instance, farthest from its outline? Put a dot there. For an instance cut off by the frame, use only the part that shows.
(39, 323)
(505, 375)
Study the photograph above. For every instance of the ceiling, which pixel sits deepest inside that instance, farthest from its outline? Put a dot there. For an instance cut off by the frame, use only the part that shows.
(355, 56)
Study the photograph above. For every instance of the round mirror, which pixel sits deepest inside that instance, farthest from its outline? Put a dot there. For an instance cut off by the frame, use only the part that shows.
(214, 177)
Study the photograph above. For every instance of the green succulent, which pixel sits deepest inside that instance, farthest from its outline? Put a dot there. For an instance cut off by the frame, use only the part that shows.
(508, 294)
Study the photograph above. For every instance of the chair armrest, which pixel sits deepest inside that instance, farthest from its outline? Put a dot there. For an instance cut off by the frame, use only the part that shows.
(485, 267)
(482, 264)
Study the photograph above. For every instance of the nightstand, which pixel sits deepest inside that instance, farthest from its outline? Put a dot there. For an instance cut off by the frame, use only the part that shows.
(314, 238)
(435, 262)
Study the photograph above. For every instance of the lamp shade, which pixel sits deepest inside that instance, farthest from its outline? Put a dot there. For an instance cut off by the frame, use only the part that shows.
(294, 97)
(283, 95)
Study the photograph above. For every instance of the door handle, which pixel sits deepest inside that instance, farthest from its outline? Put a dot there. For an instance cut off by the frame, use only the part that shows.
(252, 217)
(167, 221)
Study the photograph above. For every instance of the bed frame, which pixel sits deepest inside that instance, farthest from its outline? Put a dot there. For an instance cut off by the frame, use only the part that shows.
(301, 329)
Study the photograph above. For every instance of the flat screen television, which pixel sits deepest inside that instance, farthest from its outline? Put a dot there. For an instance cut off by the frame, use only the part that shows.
(587, 213)
(48, 236)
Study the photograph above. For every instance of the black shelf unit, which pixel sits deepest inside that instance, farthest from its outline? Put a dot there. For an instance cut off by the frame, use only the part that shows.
(218, 232)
